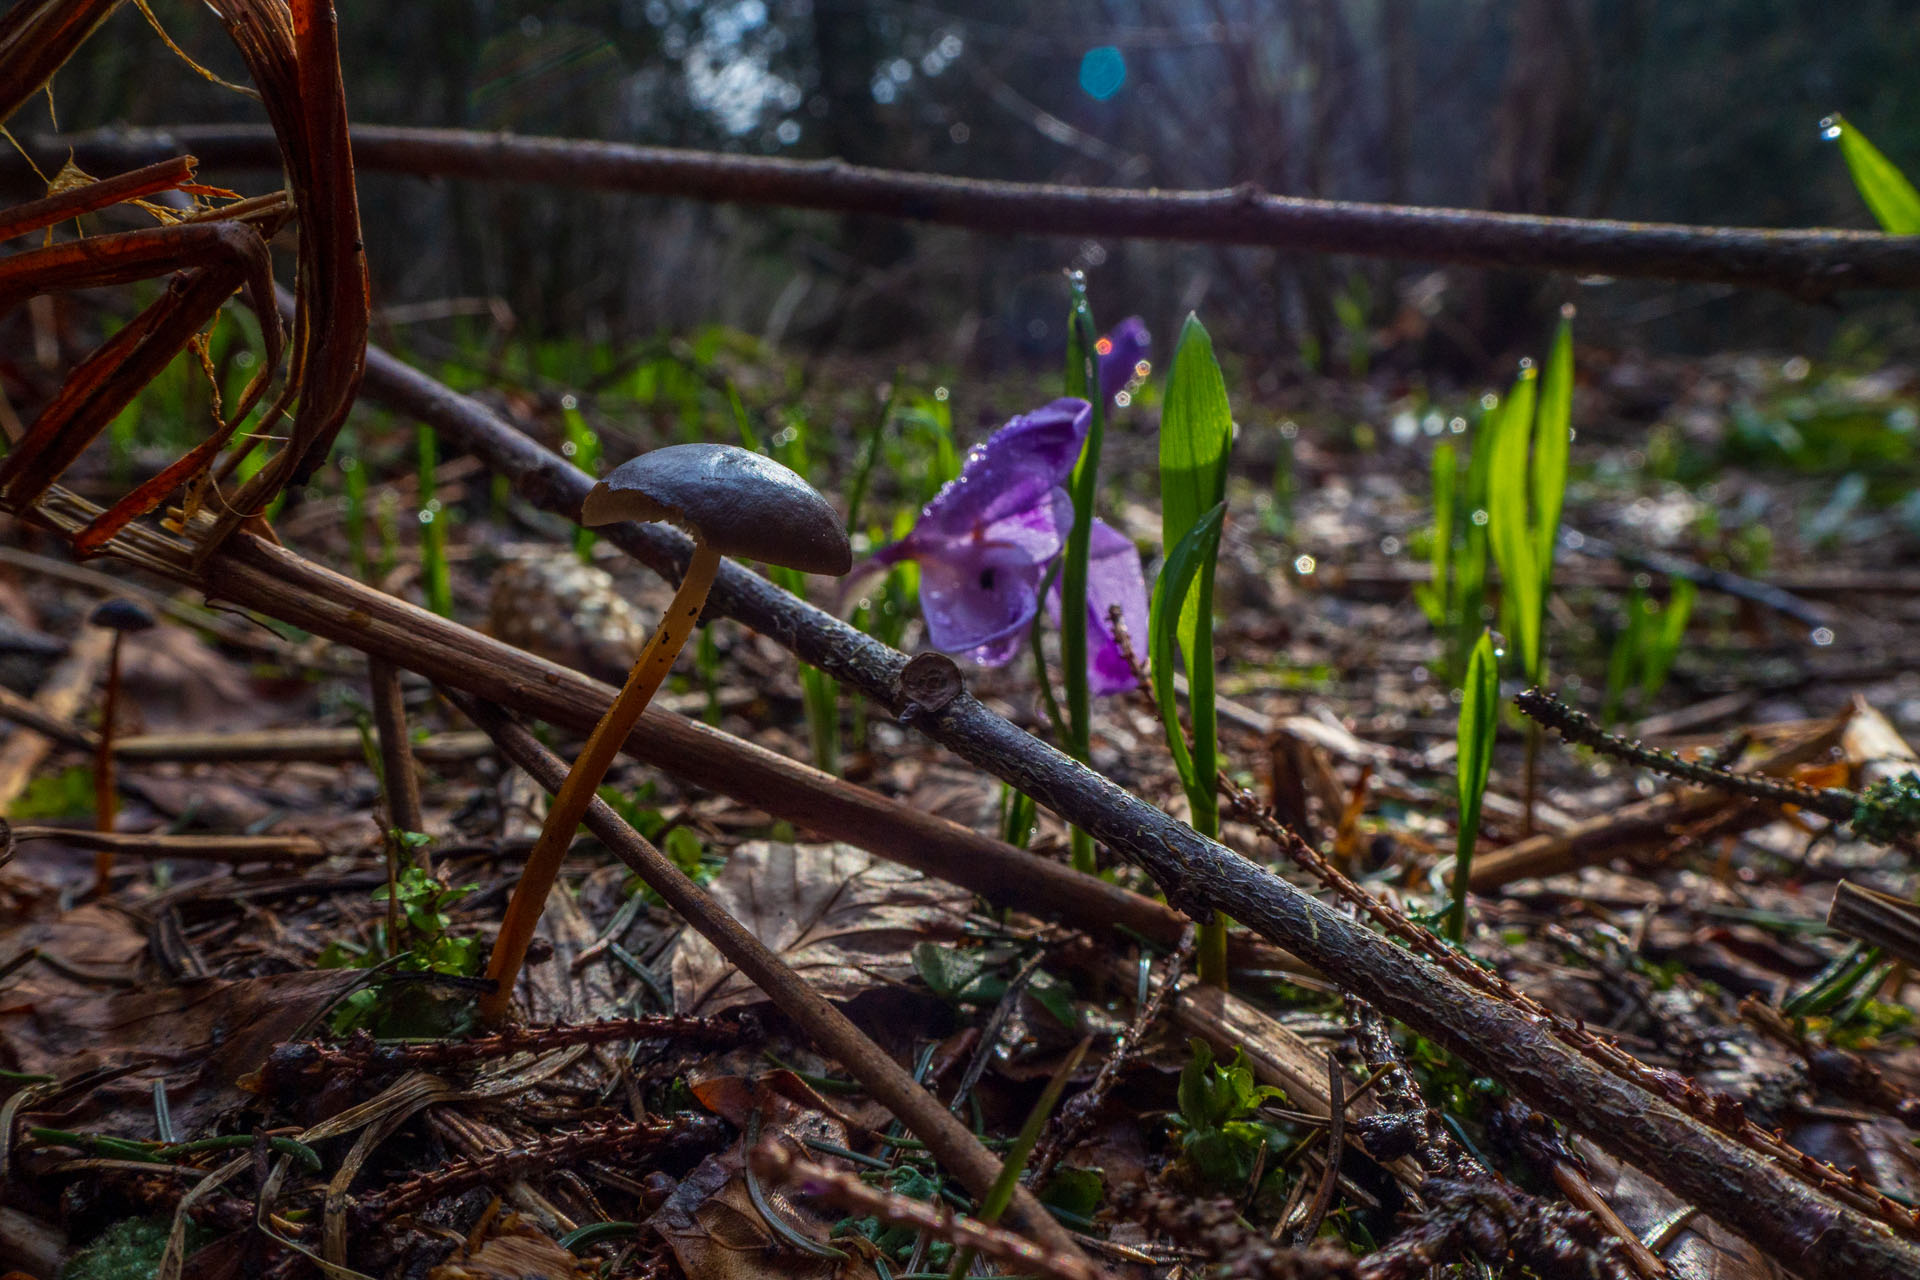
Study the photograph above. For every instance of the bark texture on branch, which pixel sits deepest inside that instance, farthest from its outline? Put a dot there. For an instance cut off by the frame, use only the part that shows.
(1806, 263)
(1783, 1215)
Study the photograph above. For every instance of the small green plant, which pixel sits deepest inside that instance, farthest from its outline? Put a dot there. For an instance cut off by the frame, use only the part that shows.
(53, 797)
(1352, 305)
(1894, 201)
(1479, 721)
(1018, 814)
(1196, 428)
(1434, 595)
(870, 447)
(129, 1249)
(1277, 520)
(582, 445)
(1644, 651)
(977, 976)
(706, 663)
(1526, 486)
(424, 945)
(1889, 809)
(681, 843)
(929, 418)
(1454, 599)
(435, 582)
(1222, 1137)
(353, 480)
(819, 694)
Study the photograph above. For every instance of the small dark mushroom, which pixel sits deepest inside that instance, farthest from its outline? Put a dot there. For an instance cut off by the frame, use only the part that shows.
(731, 502)
(120, 616)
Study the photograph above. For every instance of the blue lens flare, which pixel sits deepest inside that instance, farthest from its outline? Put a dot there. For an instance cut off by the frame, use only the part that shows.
(1102, 71)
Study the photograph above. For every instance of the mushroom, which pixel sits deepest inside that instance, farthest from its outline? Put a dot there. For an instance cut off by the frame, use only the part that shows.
(732, 503)
(120, 617)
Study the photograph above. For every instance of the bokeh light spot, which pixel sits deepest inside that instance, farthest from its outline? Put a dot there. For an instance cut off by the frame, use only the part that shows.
(1102, 71)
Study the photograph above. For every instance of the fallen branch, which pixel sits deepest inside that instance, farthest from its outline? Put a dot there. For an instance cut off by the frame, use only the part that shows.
(1807, 263)
(1757, 1197)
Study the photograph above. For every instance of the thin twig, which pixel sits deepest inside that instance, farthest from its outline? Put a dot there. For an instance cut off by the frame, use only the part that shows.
(1336, 1148)
(399, 781)
(776, 1164)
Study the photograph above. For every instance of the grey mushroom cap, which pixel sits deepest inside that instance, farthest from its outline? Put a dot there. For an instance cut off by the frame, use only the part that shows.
(121, 615)
(737, 502)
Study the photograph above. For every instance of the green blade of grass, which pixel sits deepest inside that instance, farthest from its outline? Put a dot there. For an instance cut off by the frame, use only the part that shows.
(1082, 381)
(1552, 446)
(1665, 645)
(1176, 582)
(1014, 1159)
(1479, 719)
(1470, 569)
(1196, 428)
(1894, 201)
(1508, 529)
(1437, 595)
(582, 444)
(436, 583)
(869, 454)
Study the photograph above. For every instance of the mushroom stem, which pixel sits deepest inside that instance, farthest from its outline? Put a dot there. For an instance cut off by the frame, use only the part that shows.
(106, 806)
(583, 779)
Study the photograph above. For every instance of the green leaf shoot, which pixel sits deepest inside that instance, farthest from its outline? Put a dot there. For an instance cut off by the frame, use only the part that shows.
(1892, 198)
(1479, 719)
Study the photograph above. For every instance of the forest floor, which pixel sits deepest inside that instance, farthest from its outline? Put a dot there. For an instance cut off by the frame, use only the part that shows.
(268, 1056)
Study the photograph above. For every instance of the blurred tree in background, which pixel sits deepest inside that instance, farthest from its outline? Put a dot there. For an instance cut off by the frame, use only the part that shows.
(1699, 112)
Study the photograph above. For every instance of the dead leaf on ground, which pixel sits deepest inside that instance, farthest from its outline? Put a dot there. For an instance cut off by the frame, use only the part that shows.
(515, 1250)
(91, 948)
(201, 1037)
(710, 1221)
(843, 919)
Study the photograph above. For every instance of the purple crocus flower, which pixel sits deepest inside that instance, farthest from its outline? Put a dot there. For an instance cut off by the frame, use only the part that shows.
(1120, 353)
(986, 539)
(1113, 577)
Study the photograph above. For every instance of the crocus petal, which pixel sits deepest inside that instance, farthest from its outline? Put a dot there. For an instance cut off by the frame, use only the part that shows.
(978, 597)
(1012, 471)
(1125, 348)
(1114, 577)
(1040, 530)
